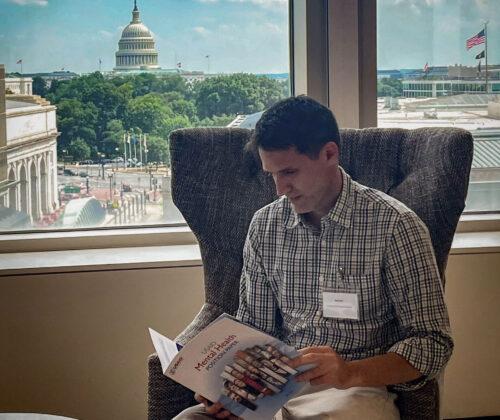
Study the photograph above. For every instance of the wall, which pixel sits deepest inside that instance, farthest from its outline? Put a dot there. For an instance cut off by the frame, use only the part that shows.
(76, 344)
(472, 379)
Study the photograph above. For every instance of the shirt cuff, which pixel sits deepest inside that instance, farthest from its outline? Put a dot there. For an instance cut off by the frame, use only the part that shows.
(418, 353)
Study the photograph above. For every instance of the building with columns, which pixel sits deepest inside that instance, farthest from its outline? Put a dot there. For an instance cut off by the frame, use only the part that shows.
(136, 48)
(19, 85)
(28, 167)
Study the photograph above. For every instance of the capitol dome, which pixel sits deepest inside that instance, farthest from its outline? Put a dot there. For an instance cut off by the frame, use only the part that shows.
(136, 48)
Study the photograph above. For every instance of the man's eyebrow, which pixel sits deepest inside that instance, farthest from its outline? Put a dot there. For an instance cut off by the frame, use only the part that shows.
(288, 168)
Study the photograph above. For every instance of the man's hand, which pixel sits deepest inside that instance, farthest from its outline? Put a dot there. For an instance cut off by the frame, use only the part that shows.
(216, 410)
(330, 368)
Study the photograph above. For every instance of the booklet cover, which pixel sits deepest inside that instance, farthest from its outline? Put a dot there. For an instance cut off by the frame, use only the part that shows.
(243, 368)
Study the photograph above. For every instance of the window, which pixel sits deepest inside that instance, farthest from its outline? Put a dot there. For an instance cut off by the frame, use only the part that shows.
(441, 42)
(91, 99)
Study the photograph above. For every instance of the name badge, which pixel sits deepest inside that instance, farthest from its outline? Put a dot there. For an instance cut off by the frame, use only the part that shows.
(340, 305)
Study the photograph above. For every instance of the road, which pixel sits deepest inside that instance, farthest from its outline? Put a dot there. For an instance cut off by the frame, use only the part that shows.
(158, 212)
(136, 180)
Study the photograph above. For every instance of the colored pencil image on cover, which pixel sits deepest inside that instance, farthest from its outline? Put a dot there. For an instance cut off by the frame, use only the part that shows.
(256, 372)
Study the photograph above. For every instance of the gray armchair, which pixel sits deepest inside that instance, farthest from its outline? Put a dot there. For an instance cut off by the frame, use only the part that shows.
(218, 187)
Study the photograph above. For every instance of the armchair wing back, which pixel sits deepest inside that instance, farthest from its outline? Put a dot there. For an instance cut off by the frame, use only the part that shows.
(218, 186)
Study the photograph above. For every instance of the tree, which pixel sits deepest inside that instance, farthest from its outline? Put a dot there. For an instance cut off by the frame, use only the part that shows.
(39, 86)
(79, 149)
(158, 149)
(183, 107)
(389, 87)
(171, 124)
(147, 112)
(216, 121)
(113, 138)
(76, 119)
(236, 94)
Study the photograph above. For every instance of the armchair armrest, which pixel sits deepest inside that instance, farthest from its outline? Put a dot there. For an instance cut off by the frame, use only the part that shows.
(420, 404)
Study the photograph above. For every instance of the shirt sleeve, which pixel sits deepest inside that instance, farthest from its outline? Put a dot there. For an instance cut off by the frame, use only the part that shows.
(258, 306)
(416, 292)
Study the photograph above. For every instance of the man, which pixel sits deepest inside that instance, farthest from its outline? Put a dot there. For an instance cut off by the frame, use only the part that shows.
(343, 272)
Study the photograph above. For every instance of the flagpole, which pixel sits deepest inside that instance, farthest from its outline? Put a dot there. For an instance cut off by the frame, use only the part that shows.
(125, 149)
(140, 148)
(486, 54)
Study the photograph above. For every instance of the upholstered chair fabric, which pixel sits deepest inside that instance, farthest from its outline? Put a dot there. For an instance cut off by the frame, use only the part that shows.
(218, 186)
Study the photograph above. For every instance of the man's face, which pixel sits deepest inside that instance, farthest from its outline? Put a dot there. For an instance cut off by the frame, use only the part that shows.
(308, 183)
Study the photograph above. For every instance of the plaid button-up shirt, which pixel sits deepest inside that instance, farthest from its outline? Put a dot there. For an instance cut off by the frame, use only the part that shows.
(369, 244)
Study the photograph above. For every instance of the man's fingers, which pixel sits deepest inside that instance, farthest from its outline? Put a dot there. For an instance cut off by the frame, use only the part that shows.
(222, 414)
(214, 408)
(315, 349)
(200, 398)
(311, 374)
(306, 359)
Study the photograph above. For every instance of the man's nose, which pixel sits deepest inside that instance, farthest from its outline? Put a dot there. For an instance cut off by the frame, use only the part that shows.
(282, 187)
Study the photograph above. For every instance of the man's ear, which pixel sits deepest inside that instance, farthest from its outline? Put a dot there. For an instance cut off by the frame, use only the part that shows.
(331, 151)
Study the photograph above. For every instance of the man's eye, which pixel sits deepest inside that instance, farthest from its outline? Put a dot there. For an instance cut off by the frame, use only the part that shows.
(289, 172)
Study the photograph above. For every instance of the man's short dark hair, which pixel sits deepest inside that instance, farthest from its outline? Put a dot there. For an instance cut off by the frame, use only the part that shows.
(299, 122)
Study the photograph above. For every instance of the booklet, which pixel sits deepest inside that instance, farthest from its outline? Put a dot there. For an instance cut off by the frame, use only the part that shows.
(238, 365)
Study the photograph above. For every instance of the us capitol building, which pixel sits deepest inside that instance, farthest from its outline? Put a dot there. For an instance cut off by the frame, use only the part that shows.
(136, 48)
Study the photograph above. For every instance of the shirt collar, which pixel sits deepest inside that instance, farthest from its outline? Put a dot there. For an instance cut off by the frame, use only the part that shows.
(340, 213)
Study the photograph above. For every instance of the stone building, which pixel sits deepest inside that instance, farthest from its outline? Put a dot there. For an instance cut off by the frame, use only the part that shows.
(28, 165)
(136, 48)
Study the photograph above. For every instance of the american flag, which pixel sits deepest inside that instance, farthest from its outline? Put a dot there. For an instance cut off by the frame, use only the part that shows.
(476, 40)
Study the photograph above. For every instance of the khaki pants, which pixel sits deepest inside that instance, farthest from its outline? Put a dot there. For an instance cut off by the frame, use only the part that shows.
(315, 403)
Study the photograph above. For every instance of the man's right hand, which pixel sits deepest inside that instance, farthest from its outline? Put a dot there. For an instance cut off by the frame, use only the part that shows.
(216, 410)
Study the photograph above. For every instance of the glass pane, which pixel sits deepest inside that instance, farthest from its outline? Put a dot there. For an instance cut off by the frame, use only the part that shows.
(436, 67)
(93, 90)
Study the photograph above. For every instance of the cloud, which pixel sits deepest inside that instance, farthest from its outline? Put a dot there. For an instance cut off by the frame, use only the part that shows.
(261, 2)
(415, 9)
(268, 4)
(41, 3)
(105, 34)
(273, 28)
(200, 30)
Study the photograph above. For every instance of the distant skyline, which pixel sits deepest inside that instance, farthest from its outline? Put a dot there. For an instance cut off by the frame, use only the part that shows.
(238, 35)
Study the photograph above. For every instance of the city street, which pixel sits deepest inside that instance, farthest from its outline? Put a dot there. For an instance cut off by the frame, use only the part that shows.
(159, 207)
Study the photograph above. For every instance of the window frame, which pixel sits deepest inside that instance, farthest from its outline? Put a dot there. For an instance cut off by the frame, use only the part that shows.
(339, 74)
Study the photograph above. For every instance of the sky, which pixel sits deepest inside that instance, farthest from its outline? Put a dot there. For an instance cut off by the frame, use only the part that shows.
(238, 35)
(411, 33)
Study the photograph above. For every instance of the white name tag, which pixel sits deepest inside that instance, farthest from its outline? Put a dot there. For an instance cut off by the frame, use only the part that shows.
(340, 305)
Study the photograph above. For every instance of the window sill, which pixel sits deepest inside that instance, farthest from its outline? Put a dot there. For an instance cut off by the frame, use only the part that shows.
(475, 243)
(487, 222)
(130, 258)
(96, 239)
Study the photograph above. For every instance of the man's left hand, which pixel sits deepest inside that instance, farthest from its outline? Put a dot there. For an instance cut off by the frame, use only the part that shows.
(329, 369)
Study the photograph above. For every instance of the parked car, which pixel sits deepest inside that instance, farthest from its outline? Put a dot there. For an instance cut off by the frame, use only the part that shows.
(87, 162)
(83, 174)
(70, 172)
